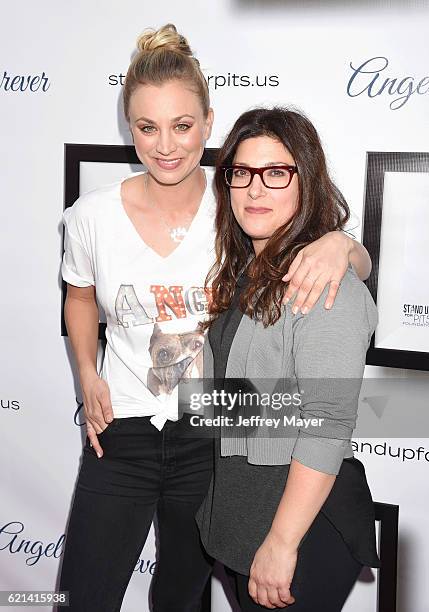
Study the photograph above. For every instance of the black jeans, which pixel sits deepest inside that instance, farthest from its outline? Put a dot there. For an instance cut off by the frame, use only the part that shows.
(143, 471)
(324, 576)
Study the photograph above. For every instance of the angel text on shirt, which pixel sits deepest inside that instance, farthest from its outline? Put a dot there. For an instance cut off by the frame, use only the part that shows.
(174, 299)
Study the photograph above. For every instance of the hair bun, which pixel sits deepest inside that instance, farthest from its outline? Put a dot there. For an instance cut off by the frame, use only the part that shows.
(165, 38)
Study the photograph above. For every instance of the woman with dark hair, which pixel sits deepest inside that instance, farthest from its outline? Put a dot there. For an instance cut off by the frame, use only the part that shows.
(289, 510)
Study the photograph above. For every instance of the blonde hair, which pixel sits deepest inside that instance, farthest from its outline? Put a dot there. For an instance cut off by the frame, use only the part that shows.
(164, 55)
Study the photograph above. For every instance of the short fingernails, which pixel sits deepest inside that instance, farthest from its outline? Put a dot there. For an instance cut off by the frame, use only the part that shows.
(304, 310)
(295, 310)
(98, 455)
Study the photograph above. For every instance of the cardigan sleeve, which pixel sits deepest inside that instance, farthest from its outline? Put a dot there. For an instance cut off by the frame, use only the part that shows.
(329, 349)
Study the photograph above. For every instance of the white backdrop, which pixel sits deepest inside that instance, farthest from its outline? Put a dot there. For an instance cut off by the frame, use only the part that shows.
(290, 52)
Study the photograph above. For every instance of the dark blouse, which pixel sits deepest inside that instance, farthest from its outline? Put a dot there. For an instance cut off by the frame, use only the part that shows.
(243, 498)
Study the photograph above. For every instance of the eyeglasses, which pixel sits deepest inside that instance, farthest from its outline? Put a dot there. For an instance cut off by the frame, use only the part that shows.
(273, 177)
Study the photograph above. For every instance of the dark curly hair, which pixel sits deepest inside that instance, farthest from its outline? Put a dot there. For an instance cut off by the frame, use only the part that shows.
(321, 209)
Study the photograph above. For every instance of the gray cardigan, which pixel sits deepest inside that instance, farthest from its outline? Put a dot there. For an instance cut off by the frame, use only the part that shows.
(321, 354)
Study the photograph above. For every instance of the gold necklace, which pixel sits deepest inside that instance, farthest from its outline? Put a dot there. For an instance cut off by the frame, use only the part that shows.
(178, 233)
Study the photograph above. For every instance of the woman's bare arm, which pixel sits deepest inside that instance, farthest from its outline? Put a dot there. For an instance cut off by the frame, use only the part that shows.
(305, 493)
(82, 317)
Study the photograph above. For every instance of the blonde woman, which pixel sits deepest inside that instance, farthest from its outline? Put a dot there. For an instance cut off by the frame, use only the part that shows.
(141, 248)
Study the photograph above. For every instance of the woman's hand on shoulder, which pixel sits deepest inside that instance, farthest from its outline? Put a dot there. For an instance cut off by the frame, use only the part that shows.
(272, 572)
(321, 263)
(97, 406)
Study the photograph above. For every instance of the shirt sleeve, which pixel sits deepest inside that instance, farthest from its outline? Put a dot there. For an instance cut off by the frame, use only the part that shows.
(77, 266)
(329, 350)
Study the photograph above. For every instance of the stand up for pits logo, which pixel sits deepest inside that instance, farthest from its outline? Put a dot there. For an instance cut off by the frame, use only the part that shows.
(415, 315)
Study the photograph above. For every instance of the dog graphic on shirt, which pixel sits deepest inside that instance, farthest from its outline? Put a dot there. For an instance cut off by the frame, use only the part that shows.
(174, 357)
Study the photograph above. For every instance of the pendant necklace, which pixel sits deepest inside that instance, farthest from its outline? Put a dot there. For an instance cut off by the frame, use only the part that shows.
(178, 233)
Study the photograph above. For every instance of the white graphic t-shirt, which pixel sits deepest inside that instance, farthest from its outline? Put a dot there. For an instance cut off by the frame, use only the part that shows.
(152, 304)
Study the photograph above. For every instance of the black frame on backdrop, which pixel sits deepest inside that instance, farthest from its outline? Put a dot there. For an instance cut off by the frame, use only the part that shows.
(74, 155)
(377, 164)
(388, 517)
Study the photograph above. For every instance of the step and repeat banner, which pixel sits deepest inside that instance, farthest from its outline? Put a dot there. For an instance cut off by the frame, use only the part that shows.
(360, 71)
